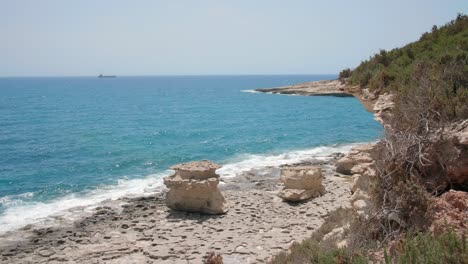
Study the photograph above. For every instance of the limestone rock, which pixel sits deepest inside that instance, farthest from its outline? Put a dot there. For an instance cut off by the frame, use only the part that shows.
(450, 212)
(360, 205)
(457, 149)
(382, 107)
(463, 137)
(344, 165)
(362, 181)
(363, 148)
(342, 244)
(360, 195)
(194, 188)
(301, 183)
(384, 102)
(460, 131)
(359, 168)
(297, 195)
(357, 161)
(368, 95)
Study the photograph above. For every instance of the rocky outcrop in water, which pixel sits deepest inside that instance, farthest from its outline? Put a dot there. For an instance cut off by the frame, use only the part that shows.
(301, 183)
(194, 188)
(316, 88)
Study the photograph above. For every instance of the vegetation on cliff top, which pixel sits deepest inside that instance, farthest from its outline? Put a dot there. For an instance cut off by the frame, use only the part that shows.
(439, 56)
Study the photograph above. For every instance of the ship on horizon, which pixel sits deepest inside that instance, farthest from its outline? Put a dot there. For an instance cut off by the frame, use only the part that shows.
(106, 76)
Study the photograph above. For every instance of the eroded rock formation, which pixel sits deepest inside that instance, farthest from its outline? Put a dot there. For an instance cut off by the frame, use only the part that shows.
(301, 183)
(359, 163)
(194, 188)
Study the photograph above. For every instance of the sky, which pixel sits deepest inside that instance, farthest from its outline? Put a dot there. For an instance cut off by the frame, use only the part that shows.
(206, 37)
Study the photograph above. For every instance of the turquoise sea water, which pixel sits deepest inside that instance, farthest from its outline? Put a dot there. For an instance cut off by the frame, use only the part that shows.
(67, 142)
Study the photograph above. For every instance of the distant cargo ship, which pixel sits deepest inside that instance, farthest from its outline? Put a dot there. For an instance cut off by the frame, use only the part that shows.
(106, 76)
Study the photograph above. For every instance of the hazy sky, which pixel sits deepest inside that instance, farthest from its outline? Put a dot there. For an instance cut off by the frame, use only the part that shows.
(151, 37)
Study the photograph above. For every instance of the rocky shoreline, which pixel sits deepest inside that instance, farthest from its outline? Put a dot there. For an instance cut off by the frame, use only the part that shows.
(144, 230)
(316, 88)
(258, 224)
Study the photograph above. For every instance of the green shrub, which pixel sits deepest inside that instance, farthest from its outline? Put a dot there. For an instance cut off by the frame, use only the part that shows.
(444, 48)
(426, 248)
(344, 74)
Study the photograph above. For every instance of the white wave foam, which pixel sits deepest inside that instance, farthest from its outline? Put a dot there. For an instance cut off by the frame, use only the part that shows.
(74, 205)
(248, 162)
(13, 200)
(250, 91)
(71, 206)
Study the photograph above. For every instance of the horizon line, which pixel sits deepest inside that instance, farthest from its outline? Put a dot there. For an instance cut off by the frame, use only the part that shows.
(168, 75)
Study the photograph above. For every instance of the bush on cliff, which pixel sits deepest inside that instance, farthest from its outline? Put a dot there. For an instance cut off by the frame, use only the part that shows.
(419, 247)
(441, 54)
(429, 249)
(344, 75)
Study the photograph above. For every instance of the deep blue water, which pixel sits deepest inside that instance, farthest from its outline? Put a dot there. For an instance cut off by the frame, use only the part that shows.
(71, 137)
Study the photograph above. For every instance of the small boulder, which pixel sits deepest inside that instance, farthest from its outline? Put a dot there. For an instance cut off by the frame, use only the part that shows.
(301, 183)
(344, 165)
(356, 161)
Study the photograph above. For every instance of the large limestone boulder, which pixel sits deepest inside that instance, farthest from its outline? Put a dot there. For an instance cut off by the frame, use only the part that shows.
(301, 183)
(194, 188)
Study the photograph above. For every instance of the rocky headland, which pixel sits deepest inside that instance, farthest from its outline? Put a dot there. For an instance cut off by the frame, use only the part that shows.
(317, 88)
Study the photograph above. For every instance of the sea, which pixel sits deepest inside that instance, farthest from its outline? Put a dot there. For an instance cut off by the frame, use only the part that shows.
(69, 143)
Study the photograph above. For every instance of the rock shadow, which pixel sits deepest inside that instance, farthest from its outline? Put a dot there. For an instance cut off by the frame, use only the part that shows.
(193, 216)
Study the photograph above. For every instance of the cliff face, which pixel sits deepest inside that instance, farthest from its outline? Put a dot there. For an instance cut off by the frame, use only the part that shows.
(455, 134)
(449, 211)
